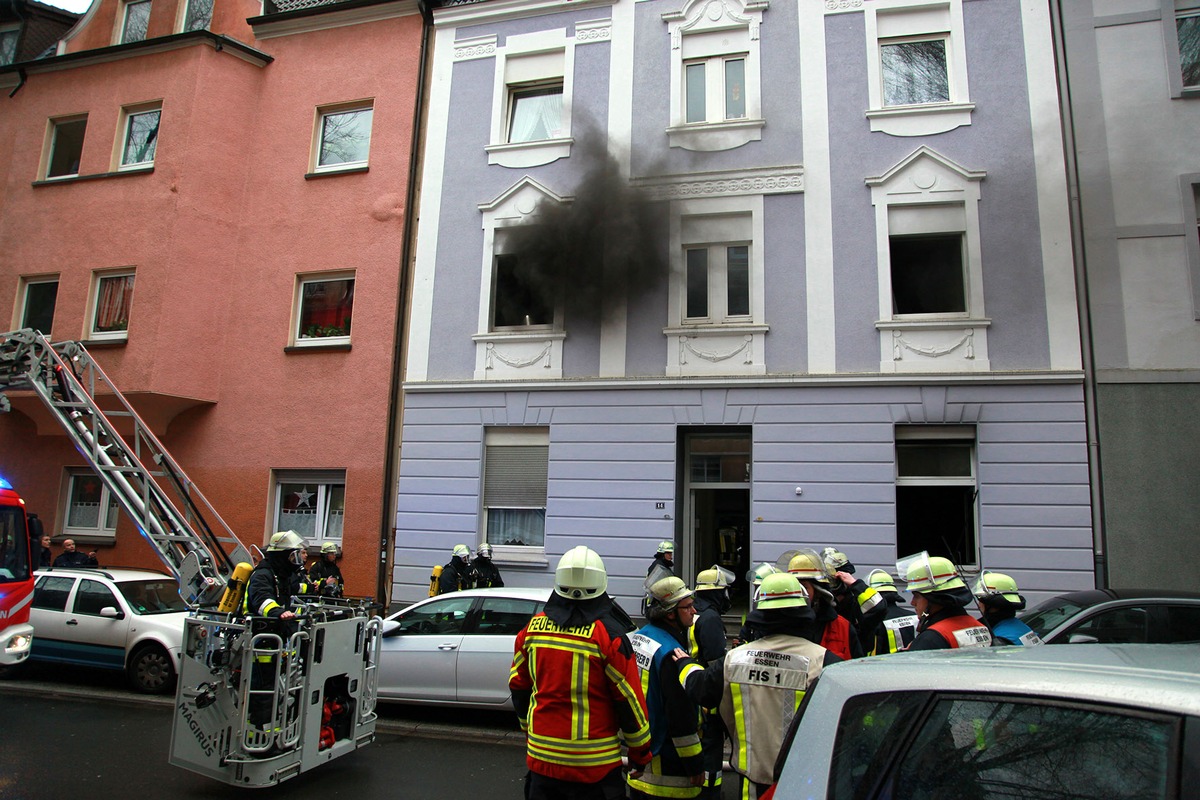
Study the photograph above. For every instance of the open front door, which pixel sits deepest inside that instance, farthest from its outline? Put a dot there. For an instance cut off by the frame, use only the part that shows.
(717, 490)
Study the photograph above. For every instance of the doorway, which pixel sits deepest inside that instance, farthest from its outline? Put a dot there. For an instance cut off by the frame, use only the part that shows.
(716, 493)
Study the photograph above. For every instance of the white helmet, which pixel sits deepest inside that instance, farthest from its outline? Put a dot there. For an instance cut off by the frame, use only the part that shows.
(329, 547)
(285, 540)
(668, 593)
(580, 574)
(715, 577)
(484, 551)
(462, 551)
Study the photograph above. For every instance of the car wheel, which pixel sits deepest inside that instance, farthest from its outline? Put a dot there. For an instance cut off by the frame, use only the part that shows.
(150, 670)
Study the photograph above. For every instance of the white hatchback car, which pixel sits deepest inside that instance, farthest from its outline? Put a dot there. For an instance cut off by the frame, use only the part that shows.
(455, 649)
(127, 619)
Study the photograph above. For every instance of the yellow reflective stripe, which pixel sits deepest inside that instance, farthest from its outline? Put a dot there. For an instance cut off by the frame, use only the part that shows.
(571, 645)
(893, 645)
(571, 753)
(693, 642)
(267, 607)
(686, 746)
(654, 783)
(739, 724)
(745, 788)
(687, 670)
(642, 734)
(581, 709)
(582, 745)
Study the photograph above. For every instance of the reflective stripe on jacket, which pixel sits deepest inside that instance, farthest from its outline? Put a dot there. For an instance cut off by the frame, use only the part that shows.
(577, 695)
(962, 631)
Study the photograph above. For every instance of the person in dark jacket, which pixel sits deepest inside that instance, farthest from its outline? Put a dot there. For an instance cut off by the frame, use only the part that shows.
(999, 600)
(487, 574)
(46, 557)
(325, 575)
(278, 578)
(855, 600)
(708, 644)
(457, 574)
(664, 560)
(899, 624)
(940, 598)
(834, 632)
(70, 557)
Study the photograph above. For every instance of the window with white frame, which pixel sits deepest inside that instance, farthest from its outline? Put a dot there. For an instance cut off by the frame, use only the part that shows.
(1187, 34)
(515, 476)
(65, 146)
(136, 21)
(9, 36)
(139, 136)
(198, 15)
(343, 137)
(936, 492)
(91, 509)
(531, 105)
(718, 283)
(917, 81)
(927, 271)
(113, 300)
(38, 297)
(520, 300)
(324, 308)
(715, 74)
(312, 503)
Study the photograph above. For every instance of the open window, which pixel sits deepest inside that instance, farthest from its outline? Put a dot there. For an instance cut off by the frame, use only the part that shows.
(38, 298)
(917, 67)
(531, 107)
(716, 101)
(64, 147)
(936, 492)
(112, 303)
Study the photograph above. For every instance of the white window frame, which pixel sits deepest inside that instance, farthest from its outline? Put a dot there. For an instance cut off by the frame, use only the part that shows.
(100, 532)
(1172, 11)
(322, 113)
(322, 483)
(513, 437)
(1189, 185)
(15, 30)
(123, 30)
(944, 434)
(98, 279)
(303, 279)
(26, 283)
(927, 193)
(713, 33)
(898, 21)
(527, 61)
(128, 114)
(718, 344)
(533, 353)
(51, 145)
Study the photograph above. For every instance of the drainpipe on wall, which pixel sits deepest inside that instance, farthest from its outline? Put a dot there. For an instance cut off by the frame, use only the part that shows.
(383, 587)
(1079, 256)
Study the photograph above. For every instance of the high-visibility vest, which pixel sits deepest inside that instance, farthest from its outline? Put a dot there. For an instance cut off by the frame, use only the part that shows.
(963, 631)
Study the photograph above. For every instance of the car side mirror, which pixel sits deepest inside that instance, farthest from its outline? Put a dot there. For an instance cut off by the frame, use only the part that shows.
(1082, 638)
(391, 628)
(112, 612)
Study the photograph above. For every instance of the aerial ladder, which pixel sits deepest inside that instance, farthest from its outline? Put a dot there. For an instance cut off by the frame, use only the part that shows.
(258, 701)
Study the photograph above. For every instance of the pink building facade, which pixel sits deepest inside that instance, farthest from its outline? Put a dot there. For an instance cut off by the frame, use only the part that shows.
(214, 200)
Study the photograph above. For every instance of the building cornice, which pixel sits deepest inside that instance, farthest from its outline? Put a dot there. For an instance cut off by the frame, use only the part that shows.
(508, 9)
(323, 17)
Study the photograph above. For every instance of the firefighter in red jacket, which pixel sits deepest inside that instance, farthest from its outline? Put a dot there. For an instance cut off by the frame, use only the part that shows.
(835, 631)
(940, 597)
(575, 659)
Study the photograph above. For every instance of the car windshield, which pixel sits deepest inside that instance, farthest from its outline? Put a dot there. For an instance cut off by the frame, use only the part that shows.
(158, 596)
(1050, 614)
(14, 545)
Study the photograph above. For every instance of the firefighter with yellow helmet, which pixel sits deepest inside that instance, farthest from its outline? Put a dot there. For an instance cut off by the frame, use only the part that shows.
(325, 574)
(856, 600)
(278, 578)
(999, 600)
(899, 624)
(761, 683)
(575, 659)
(940, 597)
(834, 632)
(677, 768)
(708, 644)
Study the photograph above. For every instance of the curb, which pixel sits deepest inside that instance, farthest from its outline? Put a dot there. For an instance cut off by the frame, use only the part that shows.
(395, 727)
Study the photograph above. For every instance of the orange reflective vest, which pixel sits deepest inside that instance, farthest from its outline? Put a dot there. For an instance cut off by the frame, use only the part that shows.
(963, 631)
(836, 638)
(585, 698)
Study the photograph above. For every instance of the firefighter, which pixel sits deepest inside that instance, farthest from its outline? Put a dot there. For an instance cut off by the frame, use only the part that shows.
(277, 578)
(834, 631)
(664, 560)
(857, 601)
(325, 573)
(755, 578)
(899, 625)
(487, 574)
(457, 574)
(760, 684)
(677, 769)
(940, 598)
(707, 644)
(997, 597)
(574, 657)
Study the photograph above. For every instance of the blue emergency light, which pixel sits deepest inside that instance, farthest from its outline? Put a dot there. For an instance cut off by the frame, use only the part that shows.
(4, 484)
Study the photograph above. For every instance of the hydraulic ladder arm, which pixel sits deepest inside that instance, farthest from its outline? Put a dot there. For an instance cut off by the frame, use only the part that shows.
(169, 510)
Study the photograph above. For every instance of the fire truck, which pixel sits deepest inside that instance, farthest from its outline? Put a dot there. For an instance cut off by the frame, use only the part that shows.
(16, 578)
(258, 700)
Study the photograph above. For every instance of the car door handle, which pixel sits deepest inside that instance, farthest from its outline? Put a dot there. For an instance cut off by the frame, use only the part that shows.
(72, 622)
(448, 646)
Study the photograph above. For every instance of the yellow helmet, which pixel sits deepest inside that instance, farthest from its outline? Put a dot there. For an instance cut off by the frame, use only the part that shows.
(668, 593)
(881, 581)
(715, 577)
(756, 575)
(666, 547)
(835, 560)
(329, 547)
(996, 586)
(462, 551)
(781, 590)
(925, 573)
(808, 566)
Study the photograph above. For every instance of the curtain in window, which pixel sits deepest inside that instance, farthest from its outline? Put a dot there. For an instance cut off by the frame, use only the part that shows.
(112, 306)
(537, 116)
(518, 526)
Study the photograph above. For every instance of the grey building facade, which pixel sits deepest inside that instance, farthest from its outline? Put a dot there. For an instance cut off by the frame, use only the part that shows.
(746, 275)
(1131, 74)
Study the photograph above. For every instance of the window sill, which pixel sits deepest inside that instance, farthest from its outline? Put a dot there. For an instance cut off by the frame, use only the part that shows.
(328, 173)
(81, 539)
(529, 154)
(92, 344)
(79, 178)
(527, 556)
(920, 120)
(708, 137)
(931, 322)
(1189, 93)
(519, 355)
(341, 347)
